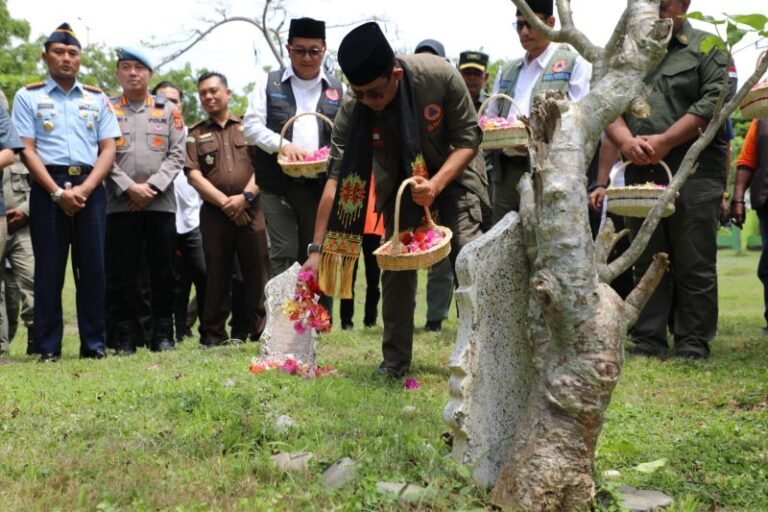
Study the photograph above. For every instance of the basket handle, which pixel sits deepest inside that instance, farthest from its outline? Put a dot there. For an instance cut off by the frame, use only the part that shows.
(625, 163)
(396, 233)
(487, 102)
(294, 118)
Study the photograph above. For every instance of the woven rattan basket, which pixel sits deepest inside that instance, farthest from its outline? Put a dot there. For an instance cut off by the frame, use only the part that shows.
(637, 201)
(503, 138)
(302, 169)
(755, 103)
(390, 255)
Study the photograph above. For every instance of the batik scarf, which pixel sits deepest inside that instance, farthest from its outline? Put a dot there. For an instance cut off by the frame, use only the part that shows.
(343, 239)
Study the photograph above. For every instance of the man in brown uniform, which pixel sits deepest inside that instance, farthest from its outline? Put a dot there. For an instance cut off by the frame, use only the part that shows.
(231, 220)
(404, 112)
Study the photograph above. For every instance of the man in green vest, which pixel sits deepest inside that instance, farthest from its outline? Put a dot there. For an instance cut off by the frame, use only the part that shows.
(544, 66)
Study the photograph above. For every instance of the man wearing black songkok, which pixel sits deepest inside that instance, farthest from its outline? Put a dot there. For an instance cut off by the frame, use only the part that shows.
(413, 116)
(290, 204)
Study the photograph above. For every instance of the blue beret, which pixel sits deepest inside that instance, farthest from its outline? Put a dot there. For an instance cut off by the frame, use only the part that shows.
(63, 34)
(129, 53)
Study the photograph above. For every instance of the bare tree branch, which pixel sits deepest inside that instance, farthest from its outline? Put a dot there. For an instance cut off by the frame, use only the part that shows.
(641, 294)
(568, 33)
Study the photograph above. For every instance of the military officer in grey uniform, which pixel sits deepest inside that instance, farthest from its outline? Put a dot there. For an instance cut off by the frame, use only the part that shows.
(9, 145)
(685, 89)
(20, 276)
(407, 113)
(141, 203)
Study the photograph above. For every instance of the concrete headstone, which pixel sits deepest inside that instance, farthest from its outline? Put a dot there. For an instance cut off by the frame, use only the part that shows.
(280, 338)
(491, 365)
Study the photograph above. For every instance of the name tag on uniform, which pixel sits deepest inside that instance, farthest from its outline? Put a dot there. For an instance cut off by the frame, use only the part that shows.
(550, 77)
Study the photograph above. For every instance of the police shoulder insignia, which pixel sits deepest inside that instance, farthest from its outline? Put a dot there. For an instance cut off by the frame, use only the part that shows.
(190, 140)
(178, 121)
(92, 89)
(34, 85)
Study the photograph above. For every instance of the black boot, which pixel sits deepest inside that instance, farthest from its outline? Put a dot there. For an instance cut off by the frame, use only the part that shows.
(31, 347)
(162, 336)
(126, 339)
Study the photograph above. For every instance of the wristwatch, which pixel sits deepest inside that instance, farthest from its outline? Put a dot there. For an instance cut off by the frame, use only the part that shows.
(249, 196)
(56, 196)
(314, 248)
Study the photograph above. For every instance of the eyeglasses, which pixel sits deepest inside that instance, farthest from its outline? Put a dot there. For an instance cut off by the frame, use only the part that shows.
(372, 94)
(301, 52)
(520, 25)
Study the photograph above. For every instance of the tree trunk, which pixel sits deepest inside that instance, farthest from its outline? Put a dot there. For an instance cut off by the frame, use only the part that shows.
(578, 349)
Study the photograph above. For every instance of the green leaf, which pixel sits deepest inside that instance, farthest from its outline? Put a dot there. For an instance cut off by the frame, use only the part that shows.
(703, 17)
(735, 34)
(651, 467)
(756, 21)
(712, 42)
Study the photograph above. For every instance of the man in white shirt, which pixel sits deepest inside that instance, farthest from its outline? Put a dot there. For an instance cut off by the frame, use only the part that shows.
(290, 204)
(544, 66)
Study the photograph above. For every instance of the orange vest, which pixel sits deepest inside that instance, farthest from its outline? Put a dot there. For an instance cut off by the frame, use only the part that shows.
(374, 224)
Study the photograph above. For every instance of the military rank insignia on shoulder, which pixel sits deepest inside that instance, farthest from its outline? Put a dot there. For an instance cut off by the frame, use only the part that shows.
(34, 85)
(92, 88)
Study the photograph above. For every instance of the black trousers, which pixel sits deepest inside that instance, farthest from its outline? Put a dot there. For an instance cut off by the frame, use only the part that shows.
(190, 269)
(128, 235)
(372, 289)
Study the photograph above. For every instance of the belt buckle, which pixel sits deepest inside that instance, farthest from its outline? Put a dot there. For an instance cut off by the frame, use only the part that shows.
(74, 170)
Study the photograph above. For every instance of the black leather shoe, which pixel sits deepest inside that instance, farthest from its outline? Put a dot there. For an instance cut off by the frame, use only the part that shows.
(50, 357)
(93, 354)
(393, 370)
(645, 351)
(433, 326)
(690, 354)
(346, 325)
(163, 346)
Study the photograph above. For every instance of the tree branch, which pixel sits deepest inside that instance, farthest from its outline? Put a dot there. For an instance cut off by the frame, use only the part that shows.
(567, 34)
(200, 36)
(641, 294)
(687, 168)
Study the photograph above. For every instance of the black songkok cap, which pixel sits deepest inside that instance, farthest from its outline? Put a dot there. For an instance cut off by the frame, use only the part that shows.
(545, 7)
(365, 55)
(63, 34)
(473, 60)
(306, 27)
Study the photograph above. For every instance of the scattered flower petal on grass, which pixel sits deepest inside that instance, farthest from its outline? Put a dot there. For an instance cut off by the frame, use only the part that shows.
(411, 384)
(290, 366)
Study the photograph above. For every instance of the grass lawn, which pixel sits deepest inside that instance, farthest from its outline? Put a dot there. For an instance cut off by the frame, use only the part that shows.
(194, 430)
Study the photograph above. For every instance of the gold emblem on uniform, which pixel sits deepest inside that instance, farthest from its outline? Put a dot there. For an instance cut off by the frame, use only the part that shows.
(683, 38)
(89, 125)
(209, 159)
(48, 125)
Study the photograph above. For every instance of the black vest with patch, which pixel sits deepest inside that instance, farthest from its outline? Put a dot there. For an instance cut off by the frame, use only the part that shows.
(281, 106)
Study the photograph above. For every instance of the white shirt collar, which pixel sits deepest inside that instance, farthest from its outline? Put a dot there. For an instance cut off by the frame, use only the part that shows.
(542, 59)
(288, 73)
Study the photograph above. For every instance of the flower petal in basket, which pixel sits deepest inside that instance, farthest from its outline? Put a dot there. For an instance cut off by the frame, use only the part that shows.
(302, 169)
(391, 255)
(638, 201)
